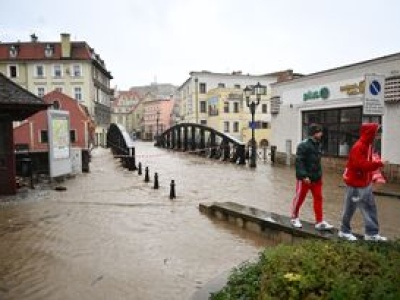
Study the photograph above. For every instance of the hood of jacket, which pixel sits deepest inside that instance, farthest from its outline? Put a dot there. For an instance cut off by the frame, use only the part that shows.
(368, 132)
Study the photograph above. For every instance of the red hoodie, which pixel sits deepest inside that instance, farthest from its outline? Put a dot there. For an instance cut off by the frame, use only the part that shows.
(360, 166)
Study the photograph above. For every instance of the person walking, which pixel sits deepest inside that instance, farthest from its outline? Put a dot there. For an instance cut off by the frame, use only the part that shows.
(358, 176)
(309, 177)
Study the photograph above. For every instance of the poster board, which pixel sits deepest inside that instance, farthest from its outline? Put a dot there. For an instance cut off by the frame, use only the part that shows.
(59, 143)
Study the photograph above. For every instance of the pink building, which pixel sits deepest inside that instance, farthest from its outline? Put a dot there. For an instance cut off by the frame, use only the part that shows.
(156, 116)
(32, 132)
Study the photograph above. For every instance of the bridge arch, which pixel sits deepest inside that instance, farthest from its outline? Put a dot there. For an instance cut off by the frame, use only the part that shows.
(203, 140)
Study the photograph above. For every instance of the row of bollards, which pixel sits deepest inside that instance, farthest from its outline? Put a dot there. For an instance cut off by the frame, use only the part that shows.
(172, 194)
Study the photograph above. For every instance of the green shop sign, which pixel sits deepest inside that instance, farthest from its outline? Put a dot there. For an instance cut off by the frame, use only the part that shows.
(323, 93)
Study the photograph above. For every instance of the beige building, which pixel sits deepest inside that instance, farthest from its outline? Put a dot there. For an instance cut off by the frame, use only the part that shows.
(126, 111)
(73, 68)
(228, 113)
(203, 90)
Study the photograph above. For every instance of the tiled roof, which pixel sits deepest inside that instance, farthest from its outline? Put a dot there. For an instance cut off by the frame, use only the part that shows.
(17, 101)
(36, 51)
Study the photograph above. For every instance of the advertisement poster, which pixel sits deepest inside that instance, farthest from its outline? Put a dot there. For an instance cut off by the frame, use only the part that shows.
(59, 143)
(60, 138)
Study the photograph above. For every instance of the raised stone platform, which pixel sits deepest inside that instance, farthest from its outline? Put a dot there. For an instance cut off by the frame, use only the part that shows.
(273, 226)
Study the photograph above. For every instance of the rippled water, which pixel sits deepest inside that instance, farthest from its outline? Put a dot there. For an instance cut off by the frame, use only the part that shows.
(110, 235)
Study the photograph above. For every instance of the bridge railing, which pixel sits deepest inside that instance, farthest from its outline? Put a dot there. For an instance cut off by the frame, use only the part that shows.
(121, 144)
(203, 140)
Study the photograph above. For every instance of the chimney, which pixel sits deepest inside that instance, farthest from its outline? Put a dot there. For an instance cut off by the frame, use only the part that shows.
(65, 45)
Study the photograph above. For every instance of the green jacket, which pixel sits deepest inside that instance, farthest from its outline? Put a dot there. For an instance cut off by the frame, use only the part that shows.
(308, 160)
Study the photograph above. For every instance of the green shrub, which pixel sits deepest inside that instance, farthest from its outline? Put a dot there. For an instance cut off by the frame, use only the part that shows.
(319, 270)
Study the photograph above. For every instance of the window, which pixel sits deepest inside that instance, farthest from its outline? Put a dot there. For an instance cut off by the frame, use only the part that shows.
(264, 108)
(203, 88)
(341, 128)
(226, 107)
(235, 107)
(57, 71)
(39, 71)
(203, 122)
(56, 104)
(59, 89)
(40, 91)
(13, 71)
(235, 126)
(221, 85)
(226, 126)
(77, 70)
(48, 51)
(237, 86)
(72, 136)
(78, 93)
(203, 107)
(43, 137)
(13, 51)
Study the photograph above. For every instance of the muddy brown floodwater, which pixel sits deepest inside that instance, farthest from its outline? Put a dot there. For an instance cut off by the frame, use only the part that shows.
(110, 235)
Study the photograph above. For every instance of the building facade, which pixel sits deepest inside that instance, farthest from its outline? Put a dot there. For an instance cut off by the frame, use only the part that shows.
(70, 67)
(335, 98)
(156, 116)
(216, 100)
(32, 133)
(124, 111)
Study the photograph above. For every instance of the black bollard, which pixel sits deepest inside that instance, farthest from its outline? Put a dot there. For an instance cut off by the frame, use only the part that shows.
(156, 186)
(140, 169)
(146, 175)
(172, 194)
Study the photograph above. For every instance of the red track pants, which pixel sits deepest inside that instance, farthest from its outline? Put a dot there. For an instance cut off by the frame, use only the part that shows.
(301, 193)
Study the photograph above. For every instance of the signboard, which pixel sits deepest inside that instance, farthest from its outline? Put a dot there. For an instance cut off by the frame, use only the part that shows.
(322, 93)
(252, 125)
(374, 95)
(59, 143)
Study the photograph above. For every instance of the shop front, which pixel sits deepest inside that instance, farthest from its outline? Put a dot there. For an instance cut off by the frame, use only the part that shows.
(338, 99)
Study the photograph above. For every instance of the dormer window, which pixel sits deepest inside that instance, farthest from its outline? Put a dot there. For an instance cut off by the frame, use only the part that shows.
(49, 50)
(13, 51)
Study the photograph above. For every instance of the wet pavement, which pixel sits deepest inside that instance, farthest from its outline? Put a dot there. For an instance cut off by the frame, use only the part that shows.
(110, 235)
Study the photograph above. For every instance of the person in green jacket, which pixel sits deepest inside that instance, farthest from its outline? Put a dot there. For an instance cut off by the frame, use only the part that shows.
(309, 177)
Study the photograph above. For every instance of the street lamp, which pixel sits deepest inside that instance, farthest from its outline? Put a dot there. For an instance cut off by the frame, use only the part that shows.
(258, 90)
(158, 118)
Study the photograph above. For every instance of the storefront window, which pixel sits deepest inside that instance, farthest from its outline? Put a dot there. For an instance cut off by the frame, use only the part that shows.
(341, 128)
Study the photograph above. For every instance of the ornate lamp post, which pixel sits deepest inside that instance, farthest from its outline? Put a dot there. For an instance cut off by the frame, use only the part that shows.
(158, 118)
(257, 90)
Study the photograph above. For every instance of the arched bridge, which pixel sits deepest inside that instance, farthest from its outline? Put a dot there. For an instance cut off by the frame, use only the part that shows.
(203, 140)
(121, 145)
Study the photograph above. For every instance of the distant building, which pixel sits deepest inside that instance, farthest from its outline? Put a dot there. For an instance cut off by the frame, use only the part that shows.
(156, 116)
(32, 133)
(124, 111)
(72, 68)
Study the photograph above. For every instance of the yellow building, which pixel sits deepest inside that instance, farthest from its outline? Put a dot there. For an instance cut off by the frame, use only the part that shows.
(227, 112)
(72, 68)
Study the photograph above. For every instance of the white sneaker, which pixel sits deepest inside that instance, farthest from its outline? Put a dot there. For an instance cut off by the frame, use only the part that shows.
(296, 223)
(347, 236)
(375, 237)
(323, 226)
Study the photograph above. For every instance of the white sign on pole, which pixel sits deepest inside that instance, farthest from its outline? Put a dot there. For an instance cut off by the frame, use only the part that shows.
(59, 143)
(374, 95)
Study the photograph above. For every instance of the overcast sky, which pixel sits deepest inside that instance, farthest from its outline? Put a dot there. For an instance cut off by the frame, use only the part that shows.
(143, 41)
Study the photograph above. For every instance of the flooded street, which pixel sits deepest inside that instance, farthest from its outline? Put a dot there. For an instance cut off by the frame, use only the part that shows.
(110, 235)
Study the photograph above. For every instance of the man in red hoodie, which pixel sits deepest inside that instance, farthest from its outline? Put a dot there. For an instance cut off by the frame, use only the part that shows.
(358, 178)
